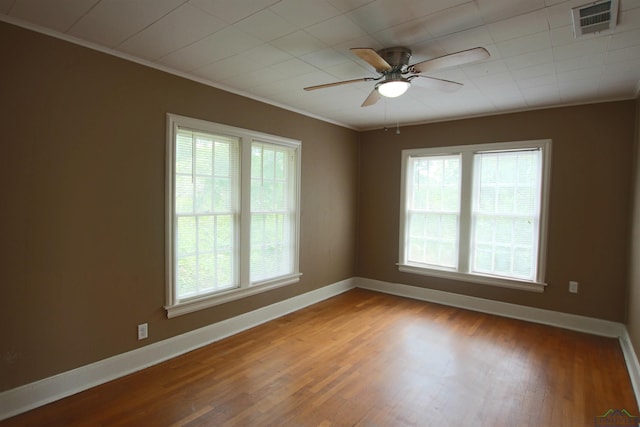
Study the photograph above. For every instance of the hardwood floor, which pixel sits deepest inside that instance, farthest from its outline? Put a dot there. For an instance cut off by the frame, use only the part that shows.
(368, 359)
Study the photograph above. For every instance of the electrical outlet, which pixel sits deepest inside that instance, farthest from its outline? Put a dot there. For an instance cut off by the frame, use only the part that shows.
(573, 287)
(143, 331)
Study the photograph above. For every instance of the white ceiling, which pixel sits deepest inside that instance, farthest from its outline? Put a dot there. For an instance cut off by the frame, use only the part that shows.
(271, 49)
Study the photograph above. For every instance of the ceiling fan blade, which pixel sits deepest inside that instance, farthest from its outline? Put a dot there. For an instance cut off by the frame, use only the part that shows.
(433, 83)
(372, 58)
(451, 60)
(373, 97)
(345, 82)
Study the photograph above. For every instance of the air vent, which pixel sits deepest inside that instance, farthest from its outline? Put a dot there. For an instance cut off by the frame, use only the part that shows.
(595, 17)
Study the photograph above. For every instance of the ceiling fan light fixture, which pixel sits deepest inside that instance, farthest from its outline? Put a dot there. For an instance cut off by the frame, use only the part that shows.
(393, 88)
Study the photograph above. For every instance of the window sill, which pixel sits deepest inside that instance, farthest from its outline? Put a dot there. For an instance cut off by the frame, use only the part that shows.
(474, 278)
(200, 303)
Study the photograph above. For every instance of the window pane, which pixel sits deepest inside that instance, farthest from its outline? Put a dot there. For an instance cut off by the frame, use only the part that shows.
(224, 232)
(505, 213)
(203, 238)
(206, 234)
(223, 159)
(184, 194)
(433, 215)
(186, 236)
(280, 166)
(223, 195)
(204, 155)
(186, 276)
(433, 239)
(270, 246)
(184, 154)
(204, 198)
(272, 238)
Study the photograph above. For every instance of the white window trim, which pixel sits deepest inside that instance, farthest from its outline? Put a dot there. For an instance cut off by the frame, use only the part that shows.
(537, 285)
(173, 306)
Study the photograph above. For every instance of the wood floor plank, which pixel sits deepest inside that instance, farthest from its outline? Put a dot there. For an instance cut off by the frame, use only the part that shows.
(368, 359)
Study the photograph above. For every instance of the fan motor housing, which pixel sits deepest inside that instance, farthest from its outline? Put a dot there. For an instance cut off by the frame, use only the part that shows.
(397, 57)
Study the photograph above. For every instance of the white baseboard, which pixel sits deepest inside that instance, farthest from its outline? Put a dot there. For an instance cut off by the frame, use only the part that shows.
(537, 315)
(631, 359)
(33, 395)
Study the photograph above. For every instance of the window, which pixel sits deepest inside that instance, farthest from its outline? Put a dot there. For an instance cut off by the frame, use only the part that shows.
(476, 213)
(232, 213)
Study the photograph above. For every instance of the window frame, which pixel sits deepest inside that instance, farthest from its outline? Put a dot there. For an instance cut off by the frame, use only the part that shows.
(462, 272)
(175, 306)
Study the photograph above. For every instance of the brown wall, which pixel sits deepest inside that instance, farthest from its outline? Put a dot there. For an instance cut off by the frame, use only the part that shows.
(589, 202)
(82, 210)
(633, 316)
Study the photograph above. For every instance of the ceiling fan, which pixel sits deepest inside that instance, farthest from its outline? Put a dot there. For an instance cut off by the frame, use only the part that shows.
(396, 75)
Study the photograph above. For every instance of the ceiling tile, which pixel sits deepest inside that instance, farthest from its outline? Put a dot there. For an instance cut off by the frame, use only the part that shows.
(224, 43)
(266, 55)
(542, 80)
(578, 91)
(452, 20)
(261, 57)
(496, 10)
(348, 5)
(335, 30)
(541, 96)
(564, 35)
(294, 67)
(586, 47)
(518, 26)
(382, 14)
(526, 44)
(580, 62)
(625, 39)
(425, 51)
(362, 41)
(298, 43)
(512, 101)
(560, 15)
(232, 11)
(350, 70)
(406, 34)
(534, 71)
(629, 4)
(104, 24)
(455, 75)
(621, 78)
(625, 54)
(225, 68)
(304, 13)
(623, 70)
(530, 59)
(421, 7)
(58, 16)
(613, 89)
(325, 58)
(590, 74)
(266, 25)
(179, 28)
(468, 39)
(628, 20)
(251, 78)
(485, 68)
(504, 81)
